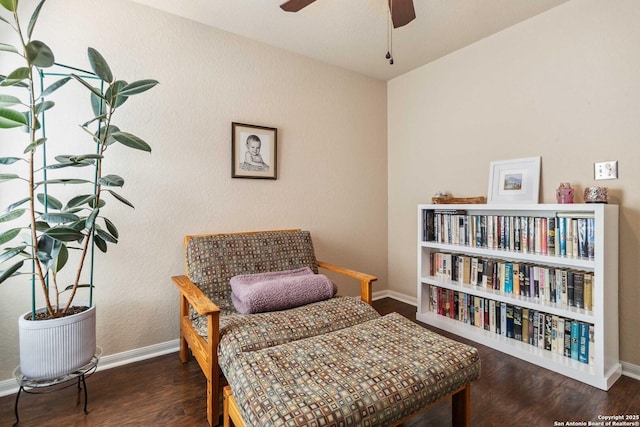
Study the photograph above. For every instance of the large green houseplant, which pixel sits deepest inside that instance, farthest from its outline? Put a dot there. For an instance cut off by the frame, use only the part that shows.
(41, 233)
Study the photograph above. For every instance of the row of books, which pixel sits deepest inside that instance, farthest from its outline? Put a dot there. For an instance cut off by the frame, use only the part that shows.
(567, 234)
(572, 288)
(569, 337)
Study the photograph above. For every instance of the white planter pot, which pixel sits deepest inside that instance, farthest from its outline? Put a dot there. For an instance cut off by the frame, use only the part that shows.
(53, 348)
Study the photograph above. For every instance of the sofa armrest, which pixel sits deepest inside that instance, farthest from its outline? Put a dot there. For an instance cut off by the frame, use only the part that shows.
(194, 295)
(366, 280)
(204, 350)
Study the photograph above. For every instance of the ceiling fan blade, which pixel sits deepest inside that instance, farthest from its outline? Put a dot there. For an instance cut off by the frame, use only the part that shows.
(295, 5)
(402, 12)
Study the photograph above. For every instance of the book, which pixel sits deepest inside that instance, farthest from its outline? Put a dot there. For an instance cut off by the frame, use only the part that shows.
(517, 323)
(583, 343)
(510, 332)
(570, 289)
(562, 235)
(583, 251)
(554, 333)
(578, 289)
(525, 324)
(508, 277)
(551, 236)
(567, 338)
(560, 336)
(588, 291)
(492, 316)
(575, 333)
(591, 230)
(548, 322)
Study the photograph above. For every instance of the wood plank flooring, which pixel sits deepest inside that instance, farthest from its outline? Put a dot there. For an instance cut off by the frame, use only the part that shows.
(164, 392)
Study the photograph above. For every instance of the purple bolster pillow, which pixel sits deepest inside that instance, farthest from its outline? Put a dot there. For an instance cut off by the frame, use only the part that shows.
(279, 290)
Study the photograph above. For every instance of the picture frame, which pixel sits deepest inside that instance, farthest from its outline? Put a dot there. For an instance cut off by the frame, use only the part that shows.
(254, 151)
(514, 181)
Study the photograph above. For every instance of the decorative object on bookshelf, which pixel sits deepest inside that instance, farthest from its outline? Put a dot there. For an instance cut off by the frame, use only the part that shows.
(596, 195)
(514, 181)
(564, 193)
(538, 281)
(442, 200)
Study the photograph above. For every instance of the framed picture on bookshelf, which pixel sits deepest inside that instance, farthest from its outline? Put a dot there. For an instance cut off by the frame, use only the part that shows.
(253, 151)
(514, 181)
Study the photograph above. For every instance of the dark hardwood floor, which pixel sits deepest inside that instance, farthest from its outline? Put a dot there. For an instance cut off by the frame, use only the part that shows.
(164, 392)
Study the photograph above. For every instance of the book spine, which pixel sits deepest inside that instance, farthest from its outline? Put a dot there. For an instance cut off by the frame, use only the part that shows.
(551, 236)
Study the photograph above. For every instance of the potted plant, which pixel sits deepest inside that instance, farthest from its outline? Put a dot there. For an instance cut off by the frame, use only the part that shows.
(41, 233)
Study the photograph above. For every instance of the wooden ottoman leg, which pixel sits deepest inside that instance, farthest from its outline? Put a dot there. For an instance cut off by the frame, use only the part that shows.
(461, 407)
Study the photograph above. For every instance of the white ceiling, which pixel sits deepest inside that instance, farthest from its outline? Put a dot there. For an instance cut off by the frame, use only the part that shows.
(353, 34)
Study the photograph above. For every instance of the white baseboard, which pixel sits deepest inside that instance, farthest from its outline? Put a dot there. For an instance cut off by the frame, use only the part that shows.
(630, 370)
(396, 296)
(10, 386)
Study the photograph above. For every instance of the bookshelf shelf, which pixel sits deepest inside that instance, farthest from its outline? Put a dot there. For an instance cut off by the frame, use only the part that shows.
(547, 275)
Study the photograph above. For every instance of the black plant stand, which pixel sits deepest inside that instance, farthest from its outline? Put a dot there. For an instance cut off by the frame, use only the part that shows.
(49, 385)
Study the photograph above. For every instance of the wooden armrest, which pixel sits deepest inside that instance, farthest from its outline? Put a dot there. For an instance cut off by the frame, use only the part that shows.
(365, 279)
(197, 299)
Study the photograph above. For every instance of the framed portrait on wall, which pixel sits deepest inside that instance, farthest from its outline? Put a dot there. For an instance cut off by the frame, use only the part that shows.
(253, 151)
(514, 181)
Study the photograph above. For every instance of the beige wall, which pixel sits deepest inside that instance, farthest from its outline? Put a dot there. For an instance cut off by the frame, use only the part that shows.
(332, 159)
(564, 85)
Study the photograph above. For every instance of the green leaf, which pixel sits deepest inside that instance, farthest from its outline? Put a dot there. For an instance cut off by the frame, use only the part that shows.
(4, 275)
(111, 227)
(48, 250)
(80, 200)
(8, 100)
(112, 93)
(11, 215)
(8, 177)
(34, 18)
(110, 130)
(62, 258)
(35, 144)
(131, 141)
(99, 65)
(9, 235)
(49, 201)
(54, 86)
(100, 243)
(11, 252)
(112, 181)
(91, 219)
(65, 234)
(93, 90)
(44, 106)
(98, 105)
(8, 48)
(10, 5)
(39, 54)
(16, 204)
(120, 198)
(106, 236)
(137, 87)
(58, 218)
(65, 181)
(101, 203)
(9, 160)
(16, 76)
(11, 119)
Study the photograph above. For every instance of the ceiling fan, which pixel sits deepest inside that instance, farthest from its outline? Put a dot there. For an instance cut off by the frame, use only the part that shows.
(402, 11)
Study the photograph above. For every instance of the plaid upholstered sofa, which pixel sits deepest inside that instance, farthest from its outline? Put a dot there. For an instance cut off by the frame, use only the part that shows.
(306, 365)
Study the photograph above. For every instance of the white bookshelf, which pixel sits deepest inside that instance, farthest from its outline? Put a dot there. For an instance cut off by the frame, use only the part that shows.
(604, 368)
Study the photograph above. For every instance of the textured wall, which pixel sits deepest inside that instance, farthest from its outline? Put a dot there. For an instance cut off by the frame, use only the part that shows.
(563, 85)
(332, 158)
